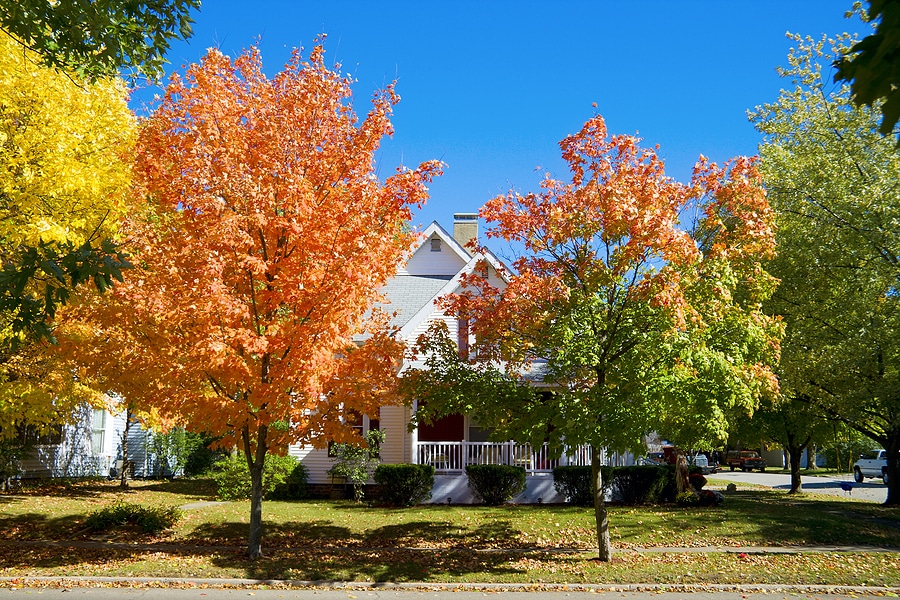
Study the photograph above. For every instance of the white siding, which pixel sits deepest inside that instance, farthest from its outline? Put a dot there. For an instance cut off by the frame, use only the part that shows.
(426, 262)
(315, 460)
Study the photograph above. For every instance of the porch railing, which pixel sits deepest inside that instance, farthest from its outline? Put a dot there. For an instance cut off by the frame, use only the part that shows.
(455, 456)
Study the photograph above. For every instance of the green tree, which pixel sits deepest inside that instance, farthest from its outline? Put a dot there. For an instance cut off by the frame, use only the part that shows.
(625, 316)
(872, 66)
(96, 38)
(832, 179)
(793, 423)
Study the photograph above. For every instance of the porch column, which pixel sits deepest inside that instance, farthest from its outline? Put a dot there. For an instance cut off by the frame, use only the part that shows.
(414, 438)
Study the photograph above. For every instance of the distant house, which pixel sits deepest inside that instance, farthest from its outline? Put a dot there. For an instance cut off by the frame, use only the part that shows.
(449, 444)
(91, 446)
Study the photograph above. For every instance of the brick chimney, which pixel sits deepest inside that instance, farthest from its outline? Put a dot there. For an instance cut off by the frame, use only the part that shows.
(465, 228)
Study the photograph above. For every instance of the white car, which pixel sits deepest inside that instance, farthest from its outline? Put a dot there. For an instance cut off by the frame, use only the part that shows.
(871, 464)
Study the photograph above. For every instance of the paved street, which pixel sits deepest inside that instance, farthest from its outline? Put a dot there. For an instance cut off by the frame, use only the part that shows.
(872, 490)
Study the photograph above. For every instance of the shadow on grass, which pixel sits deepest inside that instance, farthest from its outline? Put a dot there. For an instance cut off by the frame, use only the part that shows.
(191, 489)
(36, 526)
(385, 565)
(769, 518)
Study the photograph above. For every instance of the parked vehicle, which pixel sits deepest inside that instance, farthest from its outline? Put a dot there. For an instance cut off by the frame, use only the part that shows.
(745, 460)
(702, 461)
(871, 464)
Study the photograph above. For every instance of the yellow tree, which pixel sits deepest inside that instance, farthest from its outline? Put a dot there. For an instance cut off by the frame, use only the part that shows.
(64, 175)
(258, 259)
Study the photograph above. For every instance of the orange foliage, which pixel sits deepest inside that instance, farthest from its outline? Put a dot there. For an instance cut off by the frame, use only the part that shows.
(258, 253)
(624, 230)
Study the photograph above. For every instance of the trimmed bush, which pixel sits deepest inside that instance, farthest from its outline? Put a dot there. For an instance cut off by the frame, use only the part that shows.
(232, 476)
(495, 484)
(404, 485)
(294, 485)
(151, 519)
(575, 483)
(643, 484)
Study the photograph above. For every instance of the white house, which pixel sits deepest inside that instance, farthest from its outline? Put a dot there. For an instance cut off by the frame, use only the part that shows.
(90, 446)
(432, 271)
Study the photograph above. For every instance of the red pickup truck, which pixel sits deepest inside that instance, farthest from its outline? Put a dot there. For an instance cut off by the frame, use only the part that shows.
(745, 460)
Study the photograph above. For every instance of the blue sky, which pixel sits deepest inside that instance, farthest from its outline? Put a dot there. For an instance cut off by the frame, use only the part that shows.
(491, 86)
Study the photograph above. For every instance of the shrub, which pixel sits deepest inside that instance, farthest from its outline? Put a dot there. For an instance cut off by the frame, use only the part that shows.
(232, 476)
(697, 481)
(495, 484)
(404, 485)
(687, 499)
(150, 519)
(294, 485)
(354, 462)
(575, 483)
(643, 484)
(710, 498)
(202, 458)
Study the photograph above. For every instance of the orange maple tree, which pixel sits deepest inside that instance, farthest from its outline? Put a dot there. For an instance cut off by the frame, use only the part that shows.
(636, 302)
(264, 237)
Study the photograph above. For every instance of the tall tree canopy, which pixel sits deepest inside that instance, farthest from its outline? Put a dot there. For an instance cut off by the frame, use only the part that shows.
(832, 179)
(633, 318)
(872, 66)
(96, 38)
(65, 151)
(258, 257)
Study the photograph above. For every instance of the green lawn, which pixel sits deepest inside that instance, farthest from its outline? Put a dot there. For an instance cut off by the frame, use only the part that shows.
(337, 540)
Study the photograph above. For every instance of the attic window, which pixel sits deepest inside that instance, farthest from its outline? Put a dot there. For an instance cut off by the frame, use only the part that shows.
(435, 244)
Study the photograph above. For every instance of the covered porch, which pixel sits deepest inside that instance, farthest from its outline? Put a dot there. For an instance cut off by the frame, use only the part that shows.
(452, 457)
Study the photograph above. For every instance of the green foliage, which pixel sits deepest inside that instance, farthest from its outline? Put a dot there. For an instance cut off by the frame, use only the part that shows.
(202, 457)
(60, 267)
(151, 519)
(641, 484)
(172, 450)
(96, 38)
(282, 477)
(873, 64)
(404, 484)
(354, 462)
(831, 177)
(687, 499)
(496, 484)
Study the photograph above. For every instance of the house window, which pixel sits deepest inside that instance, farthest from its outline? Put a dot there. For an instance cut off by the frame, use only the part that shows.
(98, 430)
(435, 244)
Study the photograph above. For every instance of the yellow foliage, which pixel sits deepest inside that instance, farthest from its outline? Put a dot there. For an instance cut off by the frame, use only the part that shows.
(64, 152)
(65, 175)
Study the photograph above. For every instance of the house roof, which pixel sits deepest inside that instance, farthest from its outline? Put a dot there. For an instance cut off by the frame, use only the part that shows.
(426, 276)
(409, 293)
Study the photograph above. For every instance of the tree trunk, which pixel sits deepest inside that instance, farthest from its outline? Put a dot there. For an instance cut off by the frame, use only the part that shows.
(255, 461)
(603, 546)
(893, 467)
(123, 476)
(795, 452)
(811, 458)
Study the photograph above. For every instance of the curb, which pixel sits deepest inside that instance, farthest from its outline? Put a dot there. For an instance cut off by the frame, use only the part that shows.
(161, 582)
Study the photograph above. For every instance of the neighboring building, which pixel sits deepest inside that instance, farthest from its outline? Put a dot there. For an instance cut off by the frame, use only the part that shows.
(91, 447)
